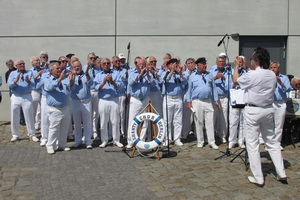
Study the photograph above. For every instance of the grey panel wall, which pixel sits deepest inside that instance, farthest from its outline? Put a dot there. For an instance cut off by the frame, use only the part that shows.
(189, 28)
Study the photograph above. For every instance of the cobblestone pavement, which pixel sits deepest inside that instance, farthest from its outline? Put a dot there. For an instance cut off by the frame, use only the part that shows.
(28, 172)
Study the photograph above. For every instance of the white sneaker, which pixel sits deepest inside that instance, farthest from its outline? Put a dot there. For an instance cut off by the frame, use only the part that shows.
(43, 143)
(34, 139)
(50, 151)
(178, 143)
(224, 140)
(14, 138)
(242, 146)
(200, 144)
(231, 145)
(103, 145)
(119, 144)
(129, 146)
(281, 148)
(214, 146)
(64, 149)
(165, 144)
(89, 146)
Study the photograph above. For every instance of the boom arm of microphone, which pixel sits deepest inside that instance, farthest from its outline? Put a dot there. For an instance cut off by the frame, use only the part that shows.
(222, 40)
(128, 49)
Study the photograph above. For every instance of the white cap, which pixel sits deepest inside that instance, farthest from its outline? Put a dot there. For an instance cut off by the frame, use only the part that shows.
(121, 56)
(222, 54)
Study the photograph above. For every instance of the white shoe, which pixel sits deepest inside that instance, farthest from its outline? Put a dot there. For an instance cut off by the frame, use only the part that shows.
(224, 140)
(231, 145)
(34, 139)
(214, 146)
(43, 143)
(129, 146)
(89, 146)
(178, 143)
(119, 144)
(281, 148)
(14, 138)
(64, 149)
(50, 151)
(200, 144)
(103, 145)
(76, 145)
(165, 144)
(242, 146)
(252, 180)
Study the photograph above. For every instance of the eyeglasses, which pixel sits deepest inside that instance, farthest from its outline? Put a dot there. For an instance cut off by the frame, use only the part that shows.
(21, 64)
(153, 61)
(117, 61)
(106, 63)
(92, 58)
(63, 61)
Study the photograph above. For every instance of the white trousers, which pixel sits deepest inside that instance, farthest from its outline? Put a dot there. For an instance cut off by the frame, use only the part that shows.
(261, 120)
(95, 112)
(204, 114)
(24, 101)
(110, 112)
(174, 110)
(44, 120)
(236, 118)
(36, 102)
(122, 113)
(59, 122)
(220, 118)
(279, 117)
(81, 112)
(135, 107)
(186, 120)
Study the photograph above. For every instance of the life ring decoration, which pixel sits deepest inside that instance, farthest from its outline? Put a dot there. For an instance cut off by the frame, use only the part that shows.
(161, 130)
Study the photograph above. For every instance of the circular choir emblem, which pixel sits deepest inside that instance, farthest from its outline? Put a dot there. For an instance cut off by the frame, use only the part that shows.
(161, 130)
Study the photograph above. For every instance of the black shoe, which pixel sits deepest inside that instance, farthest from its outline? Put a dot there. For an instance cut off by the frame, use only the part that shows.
(283, 180)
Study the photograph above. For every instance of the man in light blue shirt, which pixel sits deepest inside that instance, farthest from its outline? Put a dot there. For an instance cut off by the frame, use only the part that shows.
(200, 97)
(283, 86)
(81, 105)
(221, 76)
(172, 90)
(139, 82)
(107, 83)
(57, 89)
(21, 82)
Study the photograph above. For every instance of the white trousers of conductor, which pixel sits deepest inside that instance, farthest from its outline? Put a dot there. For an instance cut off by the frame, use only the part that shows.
(95, 112)
(59, 122)
(174, 110)
(136, 106)
(44, 120)
(110, 112)
(24, 101)
(36, 102)
(236, 117)
(261, 120)
(81, 112)
(279, 117)
(220, 118)
(204, 112)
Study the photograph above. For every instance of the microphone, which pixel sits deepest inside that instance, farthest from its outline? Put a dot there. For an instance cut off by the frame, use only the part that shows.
(168, 72)
(128, 46)
(222, 40)
(108, 81)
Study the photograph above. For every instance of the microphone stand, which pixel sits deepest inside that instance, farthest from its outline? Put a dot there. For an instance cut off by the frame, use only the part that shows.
(227, 153)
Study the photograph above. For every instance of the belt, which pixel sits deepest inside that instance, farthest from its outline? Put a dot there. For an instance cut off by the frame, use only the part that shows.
(173, 97)
(222, 96)
(109, 99)
(22, 94)
(58, 107)
(82, 100)
(202, 99)
(253, 105)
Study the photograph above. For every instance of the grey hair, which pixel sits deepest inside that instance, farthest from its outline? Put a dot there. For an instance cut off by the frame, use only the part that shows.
(44, 52)
(33, 57)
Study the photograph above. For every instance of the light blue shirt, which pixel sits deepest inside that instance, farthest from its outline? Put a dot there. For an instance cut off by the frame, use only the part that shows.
(108, 90)
(82, 87)
(122, 76)
(57, 95)
(35, 71)
(141, 88)
(280, 92)
(201, 86)
(173, 85)
(187, 75)
(222, 85)
(21, 87)
(93, 71)
(40, 85)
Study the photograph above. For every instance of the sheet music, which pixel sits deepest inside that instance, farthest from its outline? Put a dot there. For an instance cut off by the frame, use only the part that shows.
(237, 97)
